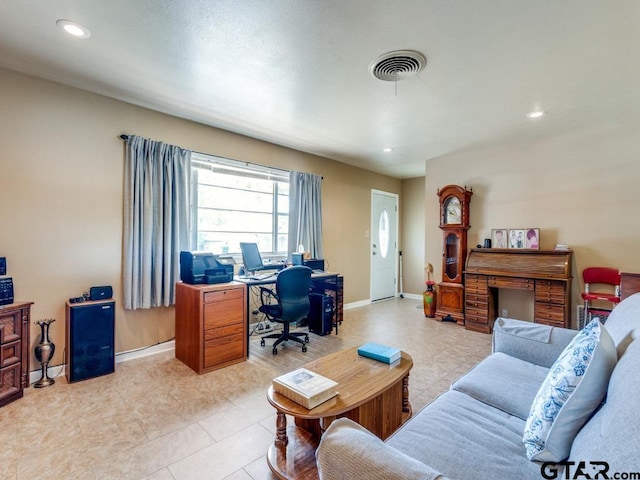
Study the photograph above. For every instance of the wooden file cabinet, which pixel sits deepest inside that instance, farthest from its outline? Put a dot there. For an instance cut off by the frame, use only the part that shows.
(14, 350)
(211, 325)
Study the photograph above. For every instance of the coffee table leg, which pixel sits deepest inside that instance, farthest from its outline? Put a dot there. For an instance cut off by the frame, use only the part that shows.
(281, 430)
(405, 395)
(325, 422)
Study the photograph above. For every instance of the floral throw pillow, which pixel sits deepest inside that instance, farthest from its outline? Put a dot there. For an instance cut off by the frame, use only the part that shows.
(574, 387)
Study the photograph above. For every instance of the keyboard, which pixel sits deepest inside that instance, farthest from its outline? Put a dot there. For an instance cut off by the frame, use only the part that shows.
(262, 276)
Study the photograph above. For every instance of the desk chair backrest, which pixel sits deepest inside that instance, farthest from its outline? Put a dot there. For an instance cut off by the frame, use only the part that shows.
(601, 276)
(292, 288)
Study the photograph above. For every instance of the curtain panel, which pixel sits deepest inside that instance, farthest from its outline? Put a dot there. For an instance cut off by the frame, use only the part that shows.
(305, 213)
(156, 221)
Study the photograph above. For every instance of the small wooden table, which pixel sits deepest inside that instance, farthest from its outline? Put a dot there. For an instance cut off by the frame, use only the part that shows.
(371, 393)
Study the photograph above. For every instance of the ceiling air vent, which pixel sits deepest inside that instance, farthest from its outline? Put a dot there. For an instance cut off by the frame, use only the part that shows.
(394, 66)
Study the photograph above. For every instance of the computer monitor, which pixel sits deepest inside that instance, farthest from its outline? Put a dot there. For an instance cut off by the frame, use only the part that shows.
(251, 258)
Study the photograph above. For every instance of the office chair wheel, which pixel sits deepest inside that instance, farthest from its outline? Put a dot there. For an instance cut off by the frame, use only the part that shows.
(274, 351)
(306, 339)
(304, 348)
(262, 342)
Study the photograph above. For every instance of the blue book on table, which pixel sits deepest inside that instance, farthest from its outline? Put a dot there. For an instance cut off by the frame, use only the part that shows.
(382, 353)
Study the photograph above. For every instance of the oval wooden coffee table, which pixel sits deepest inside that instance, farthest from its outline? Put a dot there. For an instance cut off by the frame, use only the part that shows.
(371, 393)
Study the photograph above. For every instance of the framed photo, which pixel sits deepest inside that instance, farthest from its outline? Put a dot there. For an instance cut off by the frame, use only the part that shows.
(532, 238)
(516, 238)
(499, 237)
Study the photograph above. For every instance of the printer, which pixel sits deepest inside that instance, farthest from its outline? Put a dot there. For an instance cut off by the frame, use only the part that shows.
(204, 268)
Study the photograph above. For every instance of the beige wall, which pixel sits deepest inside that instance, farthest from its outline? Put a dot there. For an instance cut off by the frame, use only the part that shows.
(61, 184)
(580, 189)
(412, 219)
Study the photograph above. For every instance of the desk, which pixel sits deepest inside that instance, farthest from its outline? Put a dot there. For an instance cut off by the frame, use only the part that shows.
(545, 273)
(321, 282)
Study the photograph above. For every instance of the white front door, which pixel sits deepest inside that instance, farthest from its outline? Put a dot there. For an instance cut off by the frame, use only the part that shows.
(384, 244)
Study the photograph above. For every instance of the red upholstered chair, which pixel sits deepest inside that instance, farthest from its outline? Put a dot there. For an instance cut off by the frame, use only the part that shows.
(601, 285)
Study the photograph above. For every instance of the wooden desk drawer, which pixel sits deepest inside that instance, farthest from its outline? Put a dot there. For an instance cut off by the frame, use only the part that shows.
(476, 308)
(475, 298)
(10, 353)
(10, 327)
(552, 292)
(214, 333)
(511, 282)
(223, 295)
(477, 290)
(475, 318)
(223, 349)
(545, 313)
(475, 281)
(223, 313)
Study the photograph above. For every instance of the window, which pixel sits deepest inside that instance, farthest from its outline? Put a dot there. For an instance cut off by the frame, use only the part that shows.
(235, 202)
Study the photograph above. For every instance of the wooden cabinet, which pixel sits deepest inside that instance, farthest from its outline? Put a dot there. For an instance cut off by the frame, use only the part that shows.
(211, 325)
(545, 273)
(14, 350)
(629, 284)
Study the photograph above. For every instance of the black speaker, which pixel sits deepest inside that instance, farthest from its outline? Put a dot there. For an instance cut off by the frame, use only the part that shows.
(320, 313)
(90, 340)
(101, 293)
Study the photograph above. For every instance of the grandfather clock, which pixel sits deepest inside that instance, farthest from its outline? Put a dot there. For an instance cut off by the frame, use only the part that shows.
(454, 222)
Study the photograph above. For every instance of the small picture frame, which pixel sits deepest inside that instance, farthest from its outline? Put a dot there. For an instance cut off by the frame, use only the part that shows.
(532, 238)
(516, 238)
(499, 237)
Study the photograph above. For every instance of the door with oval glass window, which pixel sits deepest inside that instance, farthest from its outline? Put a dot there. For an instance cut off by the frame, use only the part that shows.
(384, 244)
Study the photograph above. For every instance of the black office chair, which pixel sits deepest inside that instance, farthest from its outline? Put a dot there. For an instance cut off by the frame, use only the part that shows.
(292, 297)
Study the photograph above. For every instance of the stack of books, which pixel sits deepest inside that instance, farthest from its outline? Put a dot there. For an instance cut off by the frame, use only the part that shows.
(305, 387)
(561, 247)
(382, 353)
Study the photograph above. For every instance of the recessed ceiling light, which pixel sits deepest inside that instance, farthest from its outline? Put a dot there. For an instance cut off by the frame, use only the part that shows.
(536, 114)
(73, 28)
(387, 149)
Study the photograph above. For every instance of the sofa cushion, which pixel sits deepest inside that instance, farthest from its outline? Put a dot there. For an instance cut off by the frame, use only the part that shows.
(499, 373)
(349, 451)
(623, 324)
(466, 439)
(531, 342)
(611, 435)
(574, 387)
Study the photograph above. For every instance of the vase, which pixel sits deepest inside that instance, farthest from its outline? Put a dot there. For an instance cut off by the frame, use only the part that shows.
(44, 353)
(429, 301)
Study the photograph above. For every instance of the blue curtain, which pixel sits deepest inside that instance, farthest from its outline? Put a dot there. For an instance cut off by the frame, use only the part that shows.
(156, 221)
(305, 213)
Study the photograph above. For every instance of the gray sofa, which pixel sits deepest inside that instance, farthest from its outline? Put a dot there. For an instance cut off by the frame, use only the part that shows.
(475, 429)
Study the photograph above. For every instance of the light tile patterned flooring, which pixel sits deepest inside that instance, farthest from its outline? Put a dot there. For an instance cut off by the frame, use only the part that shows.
(155, 419)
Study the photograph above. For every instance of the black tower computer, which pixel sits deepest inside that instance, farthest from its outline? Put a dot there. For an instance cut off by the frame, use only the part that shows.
(320, 313)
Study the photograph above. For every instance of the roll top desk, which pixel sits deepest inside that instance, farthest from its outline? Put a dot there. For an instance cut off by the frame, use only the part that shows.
(546, 273)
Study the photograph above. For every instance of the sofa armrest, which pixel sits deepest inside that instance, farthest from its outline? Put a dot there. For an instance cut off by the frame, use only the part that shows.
(532, 342)
(348, 450)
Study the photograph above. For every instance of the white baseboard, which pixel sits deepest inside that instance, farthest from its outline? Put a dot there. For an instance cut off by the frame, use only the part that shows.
(412, 296)
(145, 352)
(360, 303)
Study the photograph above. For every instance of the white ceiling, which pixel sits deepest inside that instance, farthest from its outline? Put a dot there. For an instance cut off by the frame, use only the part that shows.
(296, 72)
